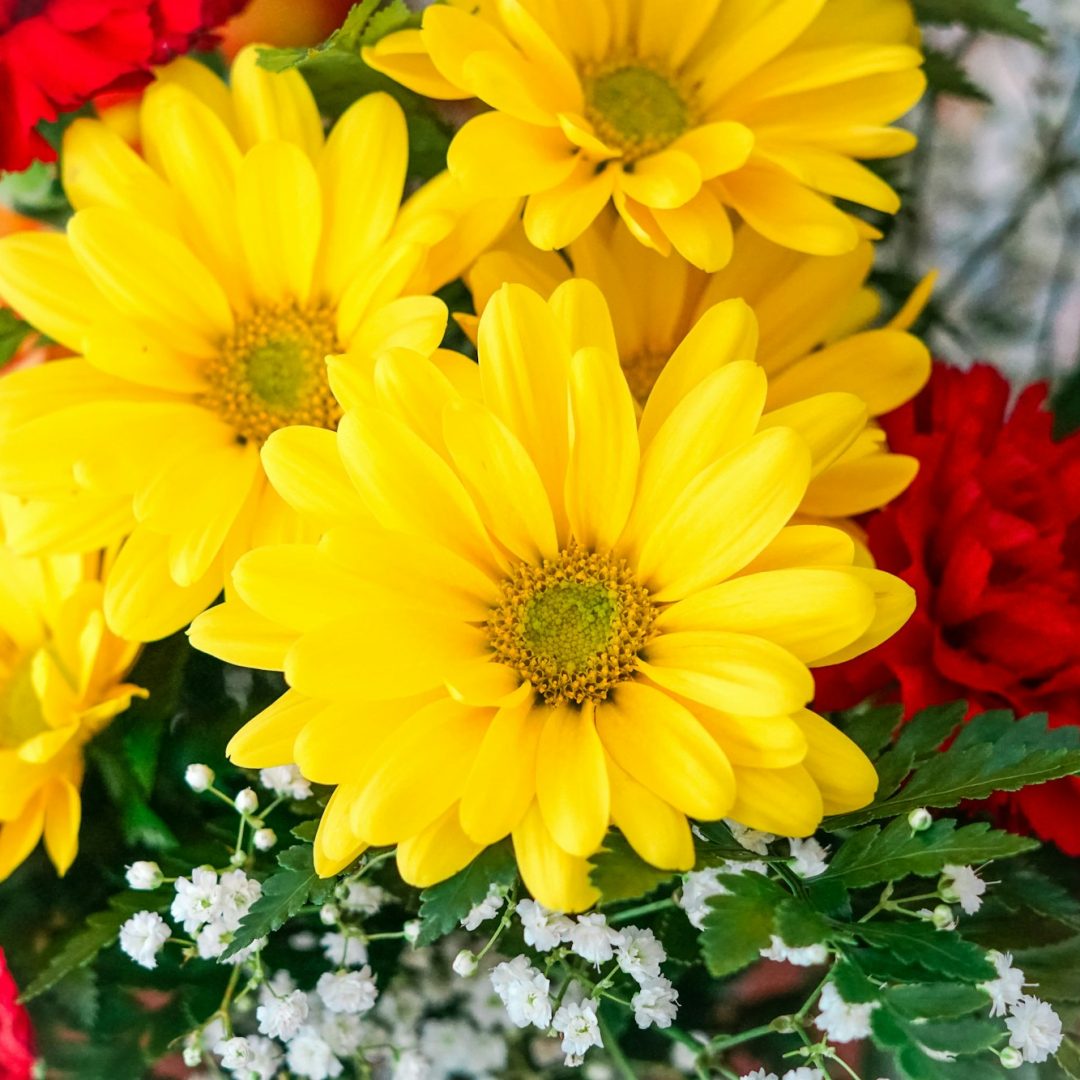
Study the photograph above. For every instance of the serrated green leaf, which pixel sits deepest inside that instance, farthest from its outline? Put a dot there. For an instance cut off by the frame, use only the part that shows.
(284, 893)
(394, 16)
(799, 925)
(870, 726)
(993, 752)
(78, 996)
(920, 945)
(443, 906)
(935, 1000)
(998, 16)
(852, 984)
(98, 932)
(944, 75)
(306, 830)
(740, 923)
(1054, 968)
(874, 855)
(1021, 886)
(924, 733)
(964, 1036)
(620, 873)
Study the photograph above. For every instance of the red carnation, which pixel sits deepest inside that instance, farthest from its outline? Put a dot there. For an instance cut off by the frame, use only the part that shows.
(989, 538)
(16, 1038)
(56, 54)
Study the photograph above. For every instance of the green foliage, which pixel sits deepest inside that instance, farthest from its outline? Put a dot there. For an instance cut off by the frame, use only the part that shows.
(741, 922)
(284, 893)
(870, 726)
(919, 945)
(1068, 1057)
(13, 332)
(938, 1000)
(998, 16)
(944, 75)
(874, 855)
(621, 874)
(100, 930)
(443, 906)
(992, 752)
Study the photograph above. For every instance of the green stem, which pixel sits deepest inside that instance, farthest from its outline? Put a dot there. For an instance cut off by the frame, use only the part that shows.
(725, 1042)
(615, 1051)
(642, 909)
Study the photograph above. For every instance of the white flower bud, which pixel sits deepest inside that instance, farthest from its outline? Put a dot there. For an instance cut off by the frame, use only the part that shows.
(1011, 1058)
(329, 915)
(247, 802)
(943, 918)
(920, 819)
(465, 963)
(412, 931)
(265, 839)
(144, 876)
(192, 1056)
(199, 777)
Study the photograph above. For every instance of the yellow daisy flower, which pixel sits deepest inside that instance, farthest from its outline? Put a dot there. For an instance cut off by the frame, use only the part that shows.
(812, 315)
(203, 285)
(678, 116)
(533, 614)
(61, 682)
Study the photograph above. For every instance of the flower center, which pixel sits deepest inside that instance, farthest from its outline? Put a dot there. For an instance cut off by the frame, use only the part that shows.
(638, 109)
(642, 371)
(272, 371)
(573, 626)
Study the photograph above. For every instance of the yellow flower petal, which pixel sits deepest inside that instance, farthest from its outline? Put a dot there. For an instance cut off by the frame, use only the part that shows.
(86, 522)
(844, 774)
(267, 739)
(664, 748)
(558, 880)
(582, 310)
(735, 673)
(19, 837)
(437, 852)
(63, 814)
(895, 602)
(274, 105)
(804, 545)
(726, 516)
(237, 635)
(863, 483)
(571, 780)
(404, 57)
(423, 770)
(502, 781)
(827, 423)
(767, 742)
(785, 802)
(336, 845)
(653, 828)
(559, 214)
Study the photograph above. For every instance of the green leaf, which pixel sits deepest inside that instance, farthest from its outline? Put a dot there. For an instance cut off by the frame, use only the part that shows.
(1021, 886)
(998, 16)
(964, 1036)
(920, 945)
(1068, 1057)
(443, 906)
(920, 737)
(284, 893)
(306, 830)
(621, 874)
(874, 855)
(799, 925)
(741, 923)
(395, 16)
(100, 930)
(944, 75)
(870, 726)
(935, 1000)
(13, 332)
(852, 983)
(993, 752)
(1055, 968)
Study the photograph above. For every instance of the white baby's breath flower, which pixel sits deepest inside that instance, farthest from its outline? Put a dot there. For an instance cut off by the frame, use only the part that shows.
(143, 936)
(806, 956)
(348, 991)
(961, 885)
(579, 1027)
(246, 802)
(840, 1021)
(344, 950)
(808, 858)
(544, 929)
(759, 1074)
(1008, 988)
(199, 777)
(257, 1059)
(411, 930)
(593, 940)
(309, 1056)
(361, 898)
(1034, 1029)
(197, 900)
(465, 963)
(524, 991)
(264, 839)
(282, 1017)
(751, 839)
(412, 1065)
(488, 908)
(640, 954)
(285, 780)
(804, 1072)
(144, 876)
(656, 1002)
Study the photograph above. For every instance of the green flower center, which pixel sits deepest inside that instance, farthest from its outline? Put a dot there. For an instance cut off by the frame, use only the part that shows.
(271, 372)
(574, 626)
(635, 108)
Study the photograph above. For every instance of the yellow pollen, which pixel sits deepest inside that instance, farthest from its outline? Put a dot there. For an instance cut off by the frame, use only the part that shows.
(271, 372)
(573, 627)
(635, 107)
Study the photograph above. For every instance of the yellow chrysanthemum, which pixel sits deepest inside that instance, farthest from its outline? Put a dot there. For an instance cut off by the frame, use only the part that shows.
(676, 114)
(203, 286)
(532, 614)
(811, 317)
(61, 675)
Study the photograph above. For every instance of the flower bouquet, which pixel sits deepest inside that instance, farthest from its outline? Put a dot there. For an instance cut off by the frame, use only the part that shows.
(492, 582)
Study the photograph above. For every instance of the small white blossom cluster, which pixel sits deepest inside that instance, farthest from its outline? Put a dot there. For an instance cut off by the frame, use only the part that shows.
(840, 1021)
(801, 1073)
(211, 907)
(699, 886)
(1034, 1027)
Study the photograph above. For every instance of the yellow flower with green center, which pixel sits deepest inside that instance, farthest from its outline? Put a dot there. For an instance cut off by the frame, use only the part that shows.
(202, 286)
(812, 314)
(682, 117)
(535, 613)
(61, 682)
